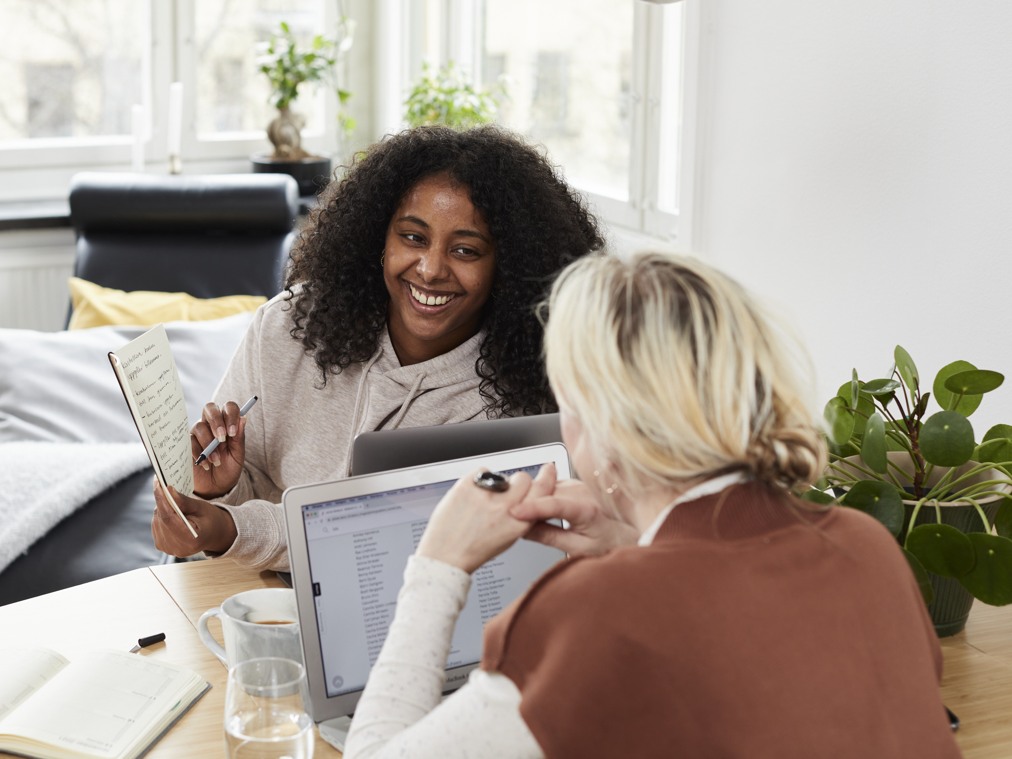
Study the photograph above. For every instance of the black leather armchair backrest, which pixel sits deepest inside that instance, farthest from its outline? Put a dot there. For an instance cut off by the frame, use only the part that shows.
(207, 235)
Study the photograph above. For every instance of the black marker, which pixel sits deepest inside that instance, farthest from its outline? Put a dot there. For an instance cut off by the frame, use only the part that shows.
(148, 641)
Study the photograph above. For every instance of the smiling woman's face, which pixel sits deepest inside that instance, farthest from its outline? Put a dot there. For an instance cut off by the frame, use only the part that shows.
(438, 268)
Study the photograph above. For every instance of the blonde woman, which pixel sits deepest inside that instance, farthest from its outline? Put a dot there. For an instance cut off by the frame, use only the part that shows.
(710, 611)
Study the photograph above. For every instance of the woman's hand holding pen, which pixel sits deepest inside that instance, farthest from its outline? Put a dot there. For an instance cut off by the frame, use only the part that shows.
(592, 531)
(220, 472)
(470, 524)
(215, 528)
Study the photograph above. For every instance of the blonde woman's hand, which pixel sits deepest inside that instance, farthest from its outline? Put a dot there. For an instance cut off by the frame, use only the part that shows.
(591, 530)
(471, 525)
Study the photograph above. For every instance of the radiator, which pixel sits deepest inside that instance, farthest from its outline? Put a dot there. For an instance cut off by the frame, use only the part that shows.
(33, 279)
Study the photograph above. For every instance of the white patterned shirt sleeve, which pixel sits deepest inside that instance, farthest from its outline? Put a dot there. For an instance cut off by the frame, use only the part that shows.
(400, 714)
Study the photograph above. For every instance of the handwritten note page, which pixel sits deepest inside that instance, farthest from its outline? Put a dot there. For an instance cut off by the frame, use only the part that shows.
(155, 397)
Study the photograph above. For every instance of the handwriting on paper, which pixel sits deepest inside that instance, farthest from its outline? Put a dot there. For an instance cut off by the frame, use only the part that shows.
(160, 407)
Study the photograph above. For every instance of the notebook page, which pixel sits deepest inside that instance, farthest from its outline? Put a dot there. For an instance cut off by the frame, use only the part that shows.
(158, 404)
(110, 702)
(24, 672)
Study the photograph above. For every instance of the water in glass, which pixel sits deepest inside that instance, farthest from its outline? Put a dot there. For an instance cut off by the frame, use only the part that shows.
(265, 714)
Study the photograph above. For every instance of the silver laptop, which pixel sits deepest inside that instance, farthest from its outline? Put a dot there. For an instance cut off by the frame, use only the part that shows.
(411, 446)
(349, 541)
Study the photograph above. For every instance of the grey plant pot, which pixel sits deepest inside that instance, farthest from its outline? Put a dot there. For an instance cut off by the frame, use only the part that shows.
(951, 605)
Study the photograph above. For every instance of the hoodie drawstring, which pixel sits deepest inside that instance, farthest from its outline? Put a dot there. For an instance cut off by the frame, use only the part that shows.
(412, 394)
(356, 417)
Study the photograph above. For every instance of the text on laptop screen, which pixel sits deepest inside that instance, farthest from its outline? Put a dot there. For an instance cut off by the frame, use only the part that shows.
(356, 552)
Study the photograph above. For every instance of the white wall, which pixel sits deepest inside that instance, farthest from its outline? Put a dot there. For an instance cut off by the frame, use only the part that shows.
(857, 170)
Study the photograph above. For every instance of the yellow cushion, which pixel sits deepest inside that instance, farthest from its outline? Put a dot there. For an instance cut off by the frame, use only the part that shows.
(97, 306)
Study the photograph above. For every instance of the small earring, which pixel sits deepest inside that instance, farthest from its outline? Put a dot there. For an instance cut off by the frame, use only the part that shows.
(383, 257)
(610, 490)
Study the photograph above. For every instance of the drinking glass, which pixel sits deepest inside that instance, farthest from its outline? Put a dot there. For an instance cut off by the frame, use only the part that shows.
(265, 710)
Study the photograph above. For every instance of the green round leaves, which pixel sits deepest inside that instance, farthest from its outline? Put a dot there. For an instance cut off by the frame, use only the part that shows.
(906, 367)
(873, 447)
(817, 496)
(959, 386)
(989, 578)
(941, 549)
(839, 420)
(947, 439)
(996, 447)
(879, 499)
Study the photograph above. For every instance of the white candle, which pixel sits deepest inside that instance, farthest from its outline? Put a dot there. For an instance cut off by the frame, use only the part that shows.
(139, 127)
(175, 130)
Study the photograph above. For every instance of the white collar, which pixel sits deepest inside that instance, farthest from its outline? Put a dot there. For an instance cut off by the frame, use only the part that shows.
(709, 487)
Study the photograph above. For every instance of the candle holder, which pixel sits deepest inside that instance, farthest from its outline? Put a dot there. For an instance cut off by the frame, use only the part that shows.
(175, 164)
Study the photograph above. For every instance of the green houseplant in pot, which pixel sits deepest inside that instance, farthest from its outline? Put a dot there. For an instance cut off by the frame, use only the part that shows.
(921, 471)
(447, 97)
(287, 66)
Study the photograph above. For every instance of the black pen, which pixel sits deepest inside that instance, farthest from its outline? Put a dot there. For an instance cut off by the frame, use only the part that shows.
(148, 641)
(214, 443)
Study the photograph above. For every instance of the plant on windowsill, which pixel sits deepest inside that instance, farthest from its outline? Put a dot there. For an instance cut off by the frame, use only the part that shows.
(288, 66)
(447, 97)
(943, 495)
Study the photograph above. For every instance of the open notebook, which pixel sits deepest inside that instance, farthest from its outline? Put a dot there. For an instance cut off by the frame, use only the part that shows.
(349, 541)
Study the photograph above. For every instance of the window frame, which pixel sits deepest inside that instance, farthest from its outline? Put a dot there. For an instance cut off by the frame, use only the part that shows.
(236, 145)
(43, 167)
(640, 214)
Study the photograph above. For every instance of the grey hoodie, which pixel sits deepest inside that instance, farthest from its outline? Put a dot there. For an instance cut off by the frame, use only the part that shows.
(299, 433)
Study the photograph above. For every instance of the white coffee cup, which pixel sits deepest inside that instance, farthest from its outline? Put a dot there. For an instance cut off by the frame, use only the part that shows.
(255, 624)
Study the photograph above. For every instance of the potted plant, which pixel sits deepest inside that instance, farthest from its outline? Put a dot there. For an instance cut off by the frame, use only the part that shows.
(447, 97)
(288, 66)
(943, 494)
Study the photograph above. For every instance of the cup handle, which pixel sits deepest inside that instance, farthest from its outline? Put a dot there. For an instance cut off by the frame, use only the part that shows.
(207, 638)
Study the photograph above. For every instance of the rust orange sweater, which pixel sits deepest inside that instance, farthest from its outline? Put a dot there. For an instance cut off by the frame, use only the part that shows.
(750, 627)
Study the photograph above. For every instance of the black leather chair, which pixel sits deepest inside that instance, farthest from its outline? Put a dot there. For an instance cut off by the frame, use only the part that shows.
(205, 235)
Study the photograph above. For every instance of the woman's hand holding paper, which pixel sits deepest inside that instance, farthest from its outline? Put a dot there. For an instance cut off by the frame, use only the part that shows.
(215, 528)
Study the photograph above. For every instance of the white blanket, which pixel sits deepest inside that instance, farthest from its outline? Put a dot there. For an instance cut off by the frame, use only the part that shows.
(42, 483)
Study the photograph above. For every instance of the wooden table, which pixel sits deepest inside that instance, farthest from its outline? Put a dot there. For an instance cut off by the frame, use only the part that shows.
(977, 682)
(114, 612)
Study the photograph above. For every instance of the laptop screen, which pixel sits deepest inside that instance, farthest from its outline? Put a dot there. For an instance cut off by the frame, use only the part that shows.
(356, 548)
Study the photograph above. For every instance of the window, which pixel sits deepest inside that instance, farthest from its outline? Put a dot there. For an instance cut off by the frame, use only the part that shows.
(74, 71)
(49, 101)
(232, 97)
(67, 66)
(605, 85)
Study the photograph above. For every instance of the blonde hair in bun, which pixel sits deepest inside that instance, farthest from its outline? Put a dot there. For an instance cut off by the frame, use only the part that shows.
(676, 373)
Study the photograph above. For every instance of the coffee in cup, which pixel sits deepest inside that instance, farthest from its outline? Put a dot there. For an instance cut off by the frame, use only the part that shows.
(254, 624)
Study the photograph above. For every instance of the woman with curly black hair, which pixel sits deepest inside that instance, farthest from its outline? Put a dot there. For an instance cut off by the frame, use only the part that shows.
(409, 301)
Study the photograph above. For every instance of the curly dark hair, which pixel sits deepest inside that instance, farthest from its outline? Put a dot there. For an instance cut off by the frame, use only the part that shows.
(538, 224)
